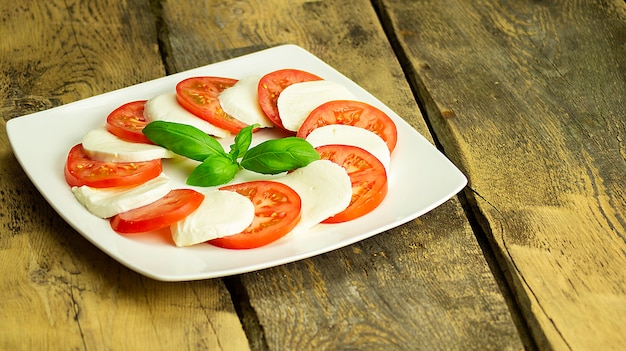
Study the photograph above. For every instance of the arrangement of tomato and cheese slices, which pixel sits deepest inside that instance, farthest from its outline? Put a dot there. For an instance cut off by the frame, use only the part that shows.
(331, 167)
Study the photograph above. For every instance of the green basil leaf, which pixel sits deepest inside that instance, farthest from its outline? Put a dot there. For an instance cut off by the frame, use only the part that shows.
(214, 170)
(243, 139)
(279, 155)
(183, 139)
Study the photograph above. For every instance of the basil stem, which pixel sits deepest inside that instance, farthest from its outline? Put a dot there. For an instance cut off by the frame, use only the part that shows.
(183, 139)
(279, 155)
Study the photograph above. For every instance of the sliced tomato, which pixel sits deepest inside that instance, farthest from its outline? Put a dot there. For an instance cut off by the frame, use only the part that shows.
(171, 208)
(354, 113)
(199, 95)
(368, 177)
(273, 83)
(277, 211)
(127, 122)
(81, 170)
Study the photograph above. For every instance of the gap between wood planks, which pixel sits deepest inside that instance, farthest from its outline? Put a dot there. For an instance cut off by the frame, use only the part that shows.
(162, 32)
(246, 313)
(470, 211)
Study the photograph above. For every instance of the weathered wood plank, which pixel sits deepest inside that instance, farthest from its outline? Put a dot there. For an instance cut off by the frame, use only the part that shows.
(59, 291)
(529, 97)
(425, 285)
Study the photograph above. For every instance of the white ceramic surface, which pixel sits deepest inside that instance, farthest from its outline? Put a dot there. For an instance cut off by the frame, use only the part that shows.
(420, 179)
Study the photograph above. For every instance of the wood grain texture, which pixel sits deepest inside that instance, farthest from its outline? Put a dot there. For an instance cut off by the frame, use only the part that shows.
(412, 288)
(529, 98)
(424, 285)
(58, 291)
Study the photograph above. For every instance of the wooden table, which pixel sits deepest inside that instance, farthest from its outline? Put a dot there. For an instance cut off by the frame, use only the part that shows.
(527, 98)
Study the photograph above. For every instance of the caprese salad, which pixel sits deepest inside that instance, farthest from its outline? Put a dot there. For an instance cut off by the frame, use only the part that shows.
(330, 167)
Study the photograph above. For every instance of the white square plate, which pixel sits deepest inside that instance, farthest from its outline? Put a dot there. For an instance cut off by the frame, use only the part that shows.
(420, 178)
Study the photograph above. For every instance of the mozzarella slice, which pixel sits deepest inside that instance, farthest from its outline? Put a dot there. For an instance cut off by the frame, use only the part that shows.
(354, 136)
(325, 189)
(296, 102)
(242, 102)
(222, 213)
(101, 145)
(165, 107)
(107, 202)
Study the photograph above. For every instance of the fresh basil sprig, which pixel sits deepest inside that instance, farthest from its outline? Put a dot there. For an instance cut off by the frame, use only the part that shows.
(218, 167)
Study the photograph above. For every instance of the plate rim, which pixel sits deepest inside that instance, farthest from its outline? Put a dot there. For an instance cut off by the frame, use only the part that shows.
(455, 184)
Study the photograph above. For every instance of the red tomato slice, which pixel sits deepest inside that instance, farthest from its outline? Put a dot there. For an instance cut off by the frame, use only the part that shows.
(81, 170)
(273, 83)
(368, 177)
(354, 113)
(171, 208)
(199, 95)
(127, 121)
(277, 211)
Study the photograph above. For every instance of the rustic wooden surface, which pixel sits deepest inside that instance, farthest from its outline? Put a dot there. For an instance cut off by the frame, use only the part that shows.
(529, 98)
(513, 97)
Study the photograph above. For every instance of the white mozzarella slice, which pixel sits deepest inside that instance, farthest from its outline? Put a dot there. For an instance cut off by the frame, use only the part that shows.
(325, 189)
(354, 136)
(165, 107)
(101, 145)
(242, 102)
(296, 102)
(107, 202)
(222, 213)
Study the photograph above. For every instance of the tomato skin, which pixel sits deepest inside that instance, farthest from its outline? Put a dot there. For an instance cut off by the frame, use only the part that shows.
(354, 113)
(199, 95)
(171, 208)
(273, 83)
(368, 177)
(127, 121)
(277, 211)
(81, 170)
